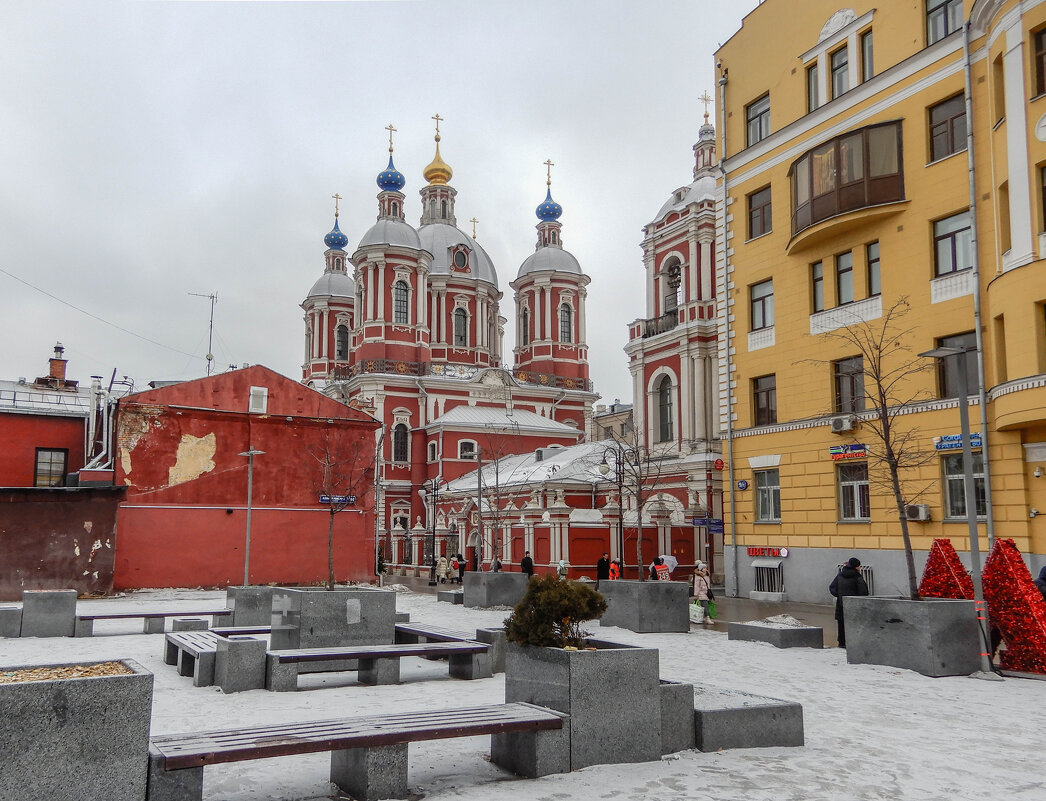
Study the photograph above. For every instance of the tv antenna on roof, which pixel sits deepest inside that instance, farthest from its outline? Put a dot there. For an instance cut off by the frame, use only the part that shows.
(210, 330)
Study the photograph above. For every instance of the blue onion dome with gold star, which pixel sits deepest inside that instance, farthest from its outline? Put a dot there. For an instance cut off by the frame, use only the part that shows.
(549, 210)
(390, 179)
(336, 240)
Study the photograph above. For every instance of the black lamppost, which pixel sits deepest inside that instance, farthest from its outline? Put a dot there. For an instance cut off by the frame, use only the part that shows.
(434, 486)
(621, 458)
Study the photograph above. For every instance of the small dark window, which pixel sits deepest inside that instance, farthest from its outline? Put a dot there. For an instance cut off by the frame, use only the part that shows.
(524, 334)
(399, 443)
(764, 392)
(943, 18)
(849, 384)
(461, 259)
(341, 343)
(867, 60)
(400, 293)
(566, 323)
(948, 127)
(875, 286)
(466, 450)
(760, 219)
(757, 115)
(840, 72)
(1039, 41)
(672, 284)
(952, 250)
(395, 209)
(813, 87)
(664, 409)
(443, 209)
(817, 285)
(948, 368)
(844, 277)
(461, 323)
(50, 467)
(762, 305)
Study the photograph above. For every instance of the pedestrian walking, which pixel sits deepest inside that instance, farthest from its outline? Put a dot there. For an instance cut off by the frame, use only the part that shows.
(563, 569)
(442, 568)
(615, 570)
(602, 569)
(703, 588)
(848, 581)
(526, 565)
(461, 568)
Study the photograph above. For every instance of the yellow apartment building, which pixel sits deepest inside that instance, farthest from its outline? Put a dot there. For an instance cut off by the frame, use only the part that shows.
(876, 155)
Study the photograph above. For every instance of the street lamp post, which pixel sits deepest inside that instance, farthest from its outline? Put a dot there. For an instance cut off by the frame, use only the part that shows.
(619, 477)
(250, 454)
(969, 496)
(434, 488)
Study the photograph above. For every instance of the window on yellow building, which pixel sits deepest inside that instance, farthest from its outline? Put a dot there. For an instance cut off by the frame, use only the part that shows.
(948, 367)
(762, 300)
(840, 60)
(813, 87)
(764, 400)
(844, 277)
(955, 487)
(952, 249)
(867, 60)
(943, 18)
(948, 127)
(875, 285)
(768, 496)
(817, 285)
(1039, 45)
(760, 218)
(998, 90)
(848, 375)
(854, 500)
(757, 117)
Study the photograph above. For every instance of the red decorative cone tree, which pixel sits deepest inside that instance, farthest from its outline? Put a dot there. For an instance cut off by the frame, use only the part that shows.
(1017, 609)
(944, 575)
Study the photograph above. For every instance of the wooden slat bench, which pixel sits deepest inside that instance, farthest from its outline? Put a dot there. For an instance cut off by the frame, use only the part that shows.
(229, 631)
(154, 621)
(368, 754)
(424, 632)
(193, 652)
(378, 664)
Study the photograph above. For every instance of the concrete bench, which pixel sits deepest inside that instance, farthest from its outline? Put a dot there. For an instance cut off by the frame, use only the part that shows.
(154, 621)
(368, 754)
(777, 636)
(734, 719)
(424, 632)
(230, 631)
(193, 652)
(378, 664)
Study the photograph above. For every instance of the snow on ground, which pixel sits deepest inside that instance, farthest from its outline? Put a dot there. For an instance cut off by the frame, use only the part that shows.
(871, 732)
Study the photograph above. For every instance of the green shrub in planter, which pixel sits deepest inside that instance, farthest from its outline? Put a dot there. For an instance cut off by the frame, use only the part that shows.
(551, 613)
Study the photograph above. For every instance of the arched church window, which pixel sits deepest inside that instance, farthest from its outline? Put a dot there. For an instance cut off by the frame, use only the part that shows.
(524, 334)
(672, 286)
(461, 259)
(394, 209)
(566, 323)
(461, 321)
(555, 238)
(399, 442)
(443, 209)
(400, 294)
(341, 343)
(664, 410)
(337, 263)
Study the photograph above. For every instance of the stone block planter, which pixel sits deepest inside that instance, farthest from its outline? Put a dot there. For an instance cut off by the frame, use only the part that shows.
(777, 636)
(317, 618)
(677, 716)
(581, 684)
(734, 719)
(10, 621)
(646, 606)
(76, 738)
(251, 606)
(932, 636)
(450, 596)
(484, 590)
(48, 613)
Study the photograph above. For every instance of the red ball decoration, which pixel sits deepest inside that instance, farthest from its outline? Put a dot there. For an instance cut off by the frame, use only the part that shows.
(1017, 608)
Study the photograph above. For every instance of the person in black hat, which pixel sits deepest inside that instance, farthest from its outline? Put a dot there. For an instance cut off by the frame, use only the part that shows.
(848, 581)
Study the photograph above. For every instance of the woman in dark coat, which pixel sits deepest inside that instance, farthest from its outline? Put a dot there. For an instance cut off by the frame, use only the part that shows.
(847, 581)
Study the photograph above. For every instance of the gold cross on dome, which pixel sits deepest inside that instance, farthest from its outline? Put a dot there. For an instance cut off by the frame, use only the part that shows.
(548, 166)
(438, 120)
(474, 222)
(706, 100)
(337, 198)
(390, 128)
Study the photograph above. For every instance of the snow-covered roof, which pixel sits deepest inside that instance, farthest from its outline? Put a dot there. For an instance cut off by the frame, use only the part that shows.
(22, 398)
(500, 419)
(571, 464)
(703, 188)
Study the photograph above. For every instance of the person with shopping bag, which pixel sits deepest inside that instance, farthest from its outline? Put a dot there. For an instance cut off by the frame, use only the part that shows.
(703, 591)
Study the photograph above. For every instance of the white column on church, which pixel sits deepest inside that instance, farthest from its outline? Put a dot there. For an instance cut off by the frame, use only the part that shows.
(694, 273)
(481, 321)
(326, 333)
(381, 291)
(706, 269)
(701, 397)
(443, 316)
(581, 327)
(651, 298)
(686, 405)
(421, 299)
(372, 293)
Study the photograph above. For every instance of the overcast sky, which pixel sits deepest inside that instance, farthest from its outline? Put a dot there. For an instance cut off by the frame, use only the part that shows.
(154, 149)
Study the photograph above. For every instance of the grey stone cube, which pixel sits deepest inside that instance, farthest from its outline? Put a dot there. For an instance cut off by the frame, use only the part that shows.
(83, 628)
(677, 716)
(470, 666)
(777, 636)
(154, 625)
(280, 677)
(239, 664)
(579, 684)
(369, 774)
(497, 641)
(403, 617)
(533, 753)
(10, 621)
(251, 606)
(450, 596)
(379, 671)
(48, 613)
(483, 590)
(73, 739)
(646, 606)
(189, 624)
(734, 719)
(173, 785)
(932, 636)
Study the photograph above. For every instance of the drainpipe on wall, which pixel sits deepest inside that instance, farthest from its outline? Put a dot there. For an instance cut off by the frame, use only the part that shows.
(733, 591)
(982, 394)
(379, 498)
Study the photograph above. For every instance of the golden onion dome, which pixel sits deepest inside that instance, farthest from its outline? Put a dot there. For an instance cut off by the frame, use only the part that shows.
(438, 173)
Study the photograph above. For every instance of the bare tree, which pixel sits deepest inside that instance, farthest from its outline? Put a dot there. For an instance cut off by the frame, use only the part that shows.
(884, 402)
(500, 484)
(344, 461)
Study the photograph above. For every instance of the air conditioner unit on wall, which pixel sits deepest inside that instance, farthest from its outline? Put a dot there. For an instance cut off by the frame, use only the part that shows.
(842, 423)
(917, 511)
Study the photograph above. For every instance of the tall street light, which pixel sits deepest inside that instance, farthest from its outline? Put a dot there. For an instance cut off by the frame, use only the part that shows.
(969, 495)
(250, 488)
(434, 493)
(620, 459)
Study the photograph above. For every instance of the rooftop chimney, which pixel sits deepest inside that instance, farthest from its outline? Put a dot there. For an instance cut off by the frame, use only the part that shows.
(58, 364)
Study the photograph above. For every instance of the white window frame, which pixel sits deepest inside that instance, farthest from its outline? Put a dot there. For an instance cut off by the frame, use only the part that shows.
(857, 491)
(767, 495)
